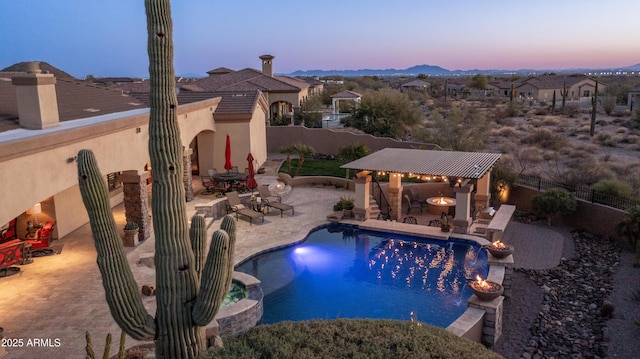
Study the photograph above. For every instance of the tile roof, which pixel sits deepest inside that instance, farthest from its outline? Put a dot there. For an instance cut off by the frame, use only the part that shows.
(44, 67)
(552, 81)
(347, 94)
(76, 100)
(230, 103)
(248, 80)
(470, 165)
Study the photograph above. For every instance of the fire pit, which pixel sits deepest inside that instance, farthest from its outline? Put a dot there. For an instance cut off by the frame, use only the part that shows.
(499, 250)
(437, 205)
(486, 290)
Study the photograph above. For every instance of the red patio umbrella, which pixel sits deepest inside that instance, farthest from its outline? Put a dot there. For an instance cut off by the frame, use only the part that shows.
(251, 180)
(227, 154)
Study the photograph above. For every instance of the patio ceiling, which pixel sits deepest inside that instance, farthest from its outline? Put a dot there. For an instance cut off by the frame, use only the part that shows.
(468, 165)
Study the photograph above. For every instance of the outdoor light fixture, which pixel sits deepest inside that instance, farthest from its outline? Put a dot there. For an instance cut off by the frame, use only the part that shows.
(37, 208)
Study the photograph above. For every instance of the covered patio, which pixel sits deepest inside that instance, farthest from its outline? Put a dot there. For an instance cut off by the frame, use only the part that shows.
(468, 173)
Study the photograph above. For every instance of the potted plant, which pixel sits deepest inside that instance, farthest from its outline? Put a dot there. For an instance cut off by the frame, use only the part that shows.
(131, 234)
(345, 205)
(444, 222)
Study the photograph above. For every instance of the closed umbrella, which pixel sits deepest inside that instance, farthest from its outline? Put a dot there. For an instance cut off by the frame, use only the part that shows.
(251, 180)
(227, 154)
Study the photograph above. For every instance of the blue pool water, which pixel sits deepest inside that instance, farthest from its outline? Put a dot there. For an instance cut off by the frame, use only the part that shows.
(343, 272)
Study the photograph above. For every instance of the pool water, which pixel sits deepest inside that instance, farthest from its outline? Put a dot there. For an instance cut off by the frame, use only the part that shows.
(345, 272)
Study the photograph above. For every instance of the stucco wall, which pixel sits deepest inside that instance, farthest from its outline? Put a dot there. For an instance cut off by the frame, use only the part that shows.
(597, 219)
(329, 141)
(46, 168)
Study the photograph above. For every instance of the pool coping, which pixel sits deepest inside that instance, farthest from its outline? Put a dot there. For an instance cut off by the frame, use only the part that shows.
(481, 321)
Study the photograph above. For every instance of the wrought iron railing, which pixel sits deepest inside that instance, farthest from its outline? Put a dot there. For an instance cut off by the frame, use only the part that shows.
(585, 193)
(383, 203)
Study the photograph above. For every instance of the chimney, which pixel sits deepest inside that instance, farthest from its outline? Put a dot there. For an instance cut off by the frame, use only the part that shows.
(37, 100)
(267, 65)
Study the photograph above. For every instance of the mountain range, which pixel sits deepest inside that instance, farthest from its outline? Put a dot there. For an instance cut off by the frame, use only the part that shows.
(431, 70)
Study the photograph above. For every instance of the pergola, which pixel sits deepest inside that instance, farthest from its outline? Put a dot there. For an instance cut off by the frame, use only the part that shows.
(345, 96)
(458, 168)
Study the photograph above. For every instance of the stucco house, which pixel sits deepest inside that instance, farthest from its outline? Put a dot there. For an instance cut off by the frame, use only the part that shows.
(45, 121)
(541, 88)
(283, 94)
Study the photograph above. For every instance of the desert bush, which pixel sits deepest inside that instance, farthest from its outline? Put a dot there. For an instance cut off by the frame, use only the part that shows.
(622, 130)
(507, 131)
(584, 137)
(544, 138)
(349, 338)
(554, 202)
(631, 139)
(542, 110)
(571, 110)
(612, 188)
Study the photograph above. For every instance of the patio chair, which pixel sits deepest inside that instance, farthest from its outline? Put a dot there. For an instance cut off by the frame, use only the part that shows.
(265, 194)
(234, 204)
(40, 244)
(412, 203)
(410, 220)
(435, 223)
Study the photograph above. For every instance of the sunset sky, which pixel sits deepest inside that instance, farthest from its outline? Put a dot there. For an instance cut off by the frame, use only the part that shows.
(108, 38)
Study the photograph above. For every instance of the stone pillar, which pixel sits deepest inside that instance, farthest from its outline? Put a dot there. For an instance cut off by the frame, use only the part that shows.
(395, 196)
(136, 201)
(462, 221)
(186, 175)
(492, 327)
(483, 195)
(362, 208)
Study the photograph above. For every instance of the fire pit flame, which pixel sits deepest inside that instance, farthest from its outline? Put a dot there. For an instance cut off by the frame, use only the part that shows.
(499, 244)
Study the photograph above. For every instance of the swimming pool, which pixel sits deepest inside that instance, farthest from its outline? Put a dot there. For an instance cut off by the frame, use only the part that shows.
(345, 272)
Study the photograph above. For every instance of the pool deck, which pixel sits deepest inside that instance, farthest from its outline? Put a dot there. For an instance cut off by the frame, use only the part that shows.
(61, 296)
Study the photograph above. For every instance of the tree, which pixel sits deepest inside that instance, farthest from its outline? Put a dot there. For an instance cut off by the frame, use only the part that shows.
(310, 113)
(385, 113)
(457, 130)
(629, 228)
(479, 82)
(554, 202)
(353, 151)
(191, 284)
(302, 151)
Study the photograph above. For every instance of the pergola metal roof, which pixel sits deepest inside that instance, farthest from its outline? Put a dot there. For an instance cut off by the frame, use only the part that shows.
(468, 165)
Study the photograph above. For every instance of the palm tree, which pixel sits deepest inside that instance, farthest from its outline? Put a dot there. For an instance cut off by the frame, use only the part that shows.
(629, 227)
(353, 151)
(302, 151)
(288, 151)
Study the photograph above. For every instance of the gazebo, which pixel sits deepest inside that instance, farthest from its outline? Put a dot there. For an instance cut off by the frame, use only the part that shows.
(462, 170)
(345, 96)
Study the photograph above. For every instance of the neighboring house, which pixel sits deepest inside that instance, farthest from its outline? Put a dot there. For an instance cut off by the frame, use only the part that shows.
(541, 88)
(499, 89)
(633, 100)
(45, 121)
(345, 96)
(416, 85)
(283, 94)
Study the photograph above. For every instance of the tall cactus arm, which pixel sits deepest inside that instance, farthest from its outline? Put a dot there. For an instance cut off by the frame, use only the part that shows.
(198, 236)
(119, 285)
(214, 279)
(218, 272)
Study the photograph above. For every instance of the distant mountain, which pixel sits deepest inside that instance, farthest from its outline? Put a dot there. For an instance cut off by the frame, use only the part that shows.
(431, 70)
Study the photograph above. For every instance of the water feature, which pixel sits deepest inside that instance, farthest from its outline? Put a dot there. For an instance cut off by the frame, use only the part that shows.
(343, 272)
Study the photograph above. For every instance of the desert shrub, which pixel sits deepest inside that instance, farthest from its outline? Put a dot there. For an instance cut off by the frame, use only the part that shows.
(622, 130)
(554, 202)
(631, 139)
(507, 131)
(571, 110)
(612, 188)
(542, 110)
(349, 338)
(584, 137)
(544, 138)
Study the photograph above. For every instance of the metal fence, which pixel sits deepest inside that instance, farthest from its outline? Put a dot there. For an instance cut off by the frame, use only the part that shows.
(581, 192)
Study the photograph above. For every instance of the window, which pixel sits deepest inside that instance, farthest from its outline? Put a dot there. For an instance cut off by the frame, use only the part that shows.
(113, 180)
(586, 93)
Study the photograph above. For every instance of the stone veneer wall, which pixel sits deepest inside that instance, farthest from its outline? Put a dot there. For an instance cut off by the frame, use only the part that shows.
(187, 178)
(136, 202)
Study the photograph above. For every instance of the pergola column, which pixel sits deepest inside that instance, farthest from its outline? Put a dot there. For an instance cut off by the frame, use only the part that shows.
(187, 178)
(462, 221)
(483, 195)
(395, 195)
(136, 201)
(362, 209)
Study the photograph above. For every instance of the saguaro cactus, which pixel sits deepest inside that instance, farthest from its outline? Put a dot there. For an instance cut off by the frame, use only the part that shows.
(594, 108)
(188, 293)
(563, 93)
